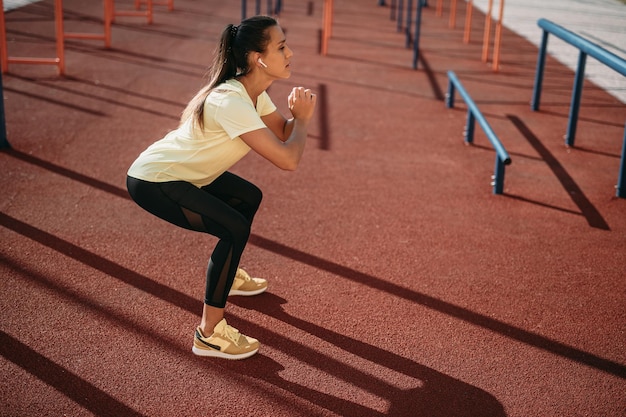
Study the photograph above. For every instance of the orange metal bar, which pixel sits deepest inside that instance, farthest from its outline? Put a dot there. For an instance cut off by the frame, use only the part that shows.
(439, 8)
(498, 39)
(330, 18)
(106, 36)
(168, 3)
(59, 61)
(468, 21)
(147, 14)
(452, 21)
(58, 18)
(487, 32)
(327, 23)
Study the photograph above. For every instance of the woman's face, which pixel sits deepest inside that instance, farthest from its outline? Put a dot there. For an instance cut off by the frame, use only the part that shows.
(277, 55)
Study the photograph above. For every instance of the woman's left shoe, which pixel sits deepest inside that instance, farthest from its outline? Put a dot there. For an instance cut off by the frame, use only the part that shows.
(246, 285)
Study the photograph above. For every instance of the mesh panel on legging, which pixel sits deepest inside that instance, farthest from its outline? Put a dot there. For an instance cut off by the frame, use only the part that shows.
(225, 209)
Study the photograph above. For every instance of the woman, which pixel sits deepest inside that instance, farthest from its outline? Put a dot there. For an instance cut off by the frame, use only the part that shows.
(183, 177)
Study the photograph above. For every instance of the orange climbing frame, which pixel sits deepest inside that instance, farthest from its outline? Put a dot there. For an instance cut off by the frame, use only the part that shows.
(168, 3)
(61, 35)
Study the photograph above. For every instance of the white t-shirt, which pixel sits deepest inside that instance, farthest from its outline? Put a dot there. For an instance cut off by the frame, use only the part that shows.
(199, 156)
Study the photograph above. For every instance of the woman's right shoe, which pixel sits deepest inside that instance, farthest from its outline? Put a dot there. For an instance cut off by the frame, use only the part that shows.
(226, 342)
(246, 285)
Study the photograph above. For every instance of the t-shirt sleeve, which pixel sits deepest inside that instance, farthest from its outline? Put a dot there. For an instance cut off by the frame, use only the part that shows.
(237, 116)
(265, 105)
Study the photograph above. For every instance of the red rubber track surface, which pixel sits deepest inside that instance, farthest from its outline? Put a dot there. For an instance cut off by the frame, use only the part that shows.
(400, 285)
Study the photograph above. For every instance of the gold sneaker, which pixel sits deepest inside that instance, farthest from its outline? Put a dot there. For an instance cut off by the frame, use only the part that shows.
(245, 285)
(226, 342)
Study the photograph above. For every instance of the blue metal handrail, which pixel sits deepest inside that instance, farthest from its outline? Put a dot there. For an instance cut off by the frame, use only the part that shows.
(4, 143)
(586, 48)
(621, 179)
(473, 115)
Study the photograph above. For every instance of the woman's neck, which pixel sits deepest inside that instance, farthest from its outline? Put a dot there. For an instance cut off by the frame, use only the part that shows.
(254, 85)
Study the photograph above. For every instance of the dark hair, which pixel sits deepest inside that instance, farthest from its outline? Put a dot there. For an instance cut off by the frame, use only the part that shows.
(231, 58)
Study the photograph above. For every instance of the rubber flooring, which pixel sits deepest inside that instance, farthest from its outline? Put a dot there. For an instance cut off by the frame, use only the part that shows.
(400, 285)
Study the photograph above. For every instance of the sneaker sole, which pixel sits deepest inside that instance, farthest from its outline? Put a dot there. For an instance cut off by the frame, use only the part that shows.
(247, 293)
(222, 355)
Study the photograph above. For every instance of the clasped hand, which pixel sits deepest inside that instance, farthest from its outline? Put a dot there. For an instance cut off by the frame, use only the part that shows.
(302, 103)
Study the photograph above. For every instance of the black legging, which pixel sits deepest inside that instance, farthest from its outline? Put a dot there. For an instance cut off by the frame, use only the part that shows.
(225, 208)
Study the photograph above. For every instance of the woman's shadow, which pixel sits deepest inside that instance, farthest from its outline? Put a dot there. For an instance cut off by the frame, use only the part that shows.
(438, 395)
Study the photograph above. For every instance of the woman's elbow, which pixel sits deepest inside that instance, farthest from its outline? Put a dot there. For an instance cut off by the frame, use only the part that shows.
(288, 165)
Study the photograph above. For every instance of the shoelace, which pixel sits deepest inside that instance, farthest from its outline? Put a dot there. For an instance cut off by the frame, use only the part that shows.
(233, 334)
(243, 275)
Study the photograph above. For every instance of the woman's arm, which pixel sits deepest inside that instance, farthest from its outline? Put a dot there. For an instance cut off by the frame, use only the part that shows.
(279, 125)
(285, 153)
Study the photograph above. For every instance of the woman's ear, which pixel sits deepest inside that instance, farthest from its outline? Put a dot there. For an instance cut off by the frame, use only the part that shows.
(258, 60)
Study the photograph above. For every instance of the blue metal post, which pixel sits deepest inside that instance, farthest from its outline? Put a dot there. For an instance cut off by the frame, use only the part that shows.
(570, 136)
(541, 63)
(4, 143)
(243, 9)
(400, 12)
(416, 41)
(621, 180)
(279, 7)
(392, 9)
(469, 128)
(450, 95)
(498, 180)
(258, 7)
(409, 12)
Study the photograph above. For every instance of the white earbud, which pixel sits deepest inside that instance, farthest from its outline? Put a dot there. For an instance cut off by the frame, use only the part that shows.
(262, 63)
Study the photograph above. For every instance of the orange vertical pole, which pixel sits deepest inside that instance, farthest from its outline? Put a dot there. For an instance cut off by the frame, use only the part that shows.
(498, 39)
(325, 27)
(58, 17)
(148, 13)
(108, 17)
(168, 3)
(106, 36)
(468, 21)
(487, 33)
(439, 8)
(59, 60)
(452, 21)
(330, 18)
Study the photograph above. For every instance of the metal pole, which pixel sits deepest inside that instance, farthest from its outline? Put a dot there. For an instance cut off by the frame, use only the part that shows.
(4, 143)
(469, 128)
(450, 94)
(498, 38)
(621, 180)
(468, 21)
(409, 11)
(416, 41)
(541, 63)
(570, 136)
(498, 180)
(243, 10)
(487, 33)
(58, 13)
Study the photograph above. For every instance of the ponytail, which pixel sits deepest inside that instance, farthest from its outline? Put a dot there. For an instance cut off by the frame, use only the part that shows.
(231, 59)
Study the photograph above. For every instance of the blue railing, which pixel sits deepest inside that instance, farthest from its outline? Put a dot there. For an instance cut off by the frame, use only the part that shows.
(473, 115)
(586, 48)
(621, 179)
(4, 143)
(271, 9)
